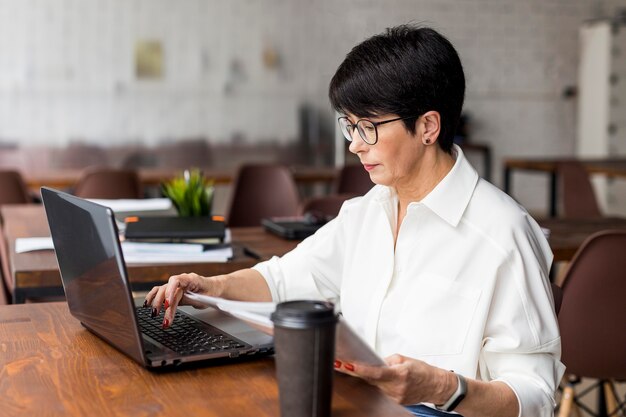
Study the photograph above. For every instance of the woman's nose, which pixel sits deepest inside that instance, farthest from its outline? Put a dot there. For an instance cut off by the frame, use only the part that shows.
(357, 143)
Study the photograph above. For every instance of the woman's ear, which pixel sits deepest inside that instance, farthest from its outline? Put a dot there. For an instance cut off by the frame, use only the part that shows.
(431, 122)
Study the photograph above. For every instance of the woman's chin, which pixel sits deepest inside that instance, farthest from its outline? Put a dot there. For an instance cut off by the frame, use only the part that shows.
(378, 179)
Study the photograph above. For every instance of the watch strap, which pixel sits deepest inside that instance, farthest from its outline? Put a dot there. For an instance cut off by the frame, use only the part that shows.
(457, 397)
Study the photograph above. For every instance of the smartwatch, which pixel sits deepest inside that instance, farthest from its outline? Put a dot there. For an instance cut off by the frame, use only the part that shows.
(458, 395)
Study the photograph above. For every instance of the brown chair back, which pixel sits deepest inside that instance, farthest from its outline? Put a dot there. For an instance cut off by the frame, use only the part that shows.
(108, 183)
(578, 198)
(185, 154)
(7, 284)
(557, 295)
(262, 191)
(327, 205)
(13, 190)
(79, 155)
(593, 309)
(353, 179)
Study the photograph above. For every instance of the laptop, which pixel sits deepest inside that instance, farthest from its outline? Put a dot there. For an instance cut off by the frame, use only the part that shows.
(295, 228)
(95, 281)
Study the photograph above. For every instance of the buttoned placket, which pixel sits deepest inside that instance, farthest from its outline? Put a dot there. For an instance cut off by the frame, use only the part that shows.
(386, 215)
(406, 244)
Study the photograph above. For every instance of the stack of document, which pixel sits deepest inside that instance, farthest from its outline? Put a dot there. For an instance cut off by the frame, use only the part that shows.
(146, 253)
(151, 253)
(138, 207)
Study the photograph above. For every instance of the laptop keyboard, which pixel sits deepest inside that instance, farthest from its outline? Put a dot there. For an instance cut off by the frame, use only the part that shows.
(185, 335)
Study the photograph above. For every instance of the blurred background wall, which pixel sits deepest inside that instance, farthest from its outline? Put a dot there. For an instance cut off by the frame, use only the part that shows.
(245, 71)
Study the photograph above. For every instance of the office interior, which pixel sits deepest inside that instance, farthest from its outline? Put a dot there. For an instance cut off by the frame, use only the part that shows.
(162, 85)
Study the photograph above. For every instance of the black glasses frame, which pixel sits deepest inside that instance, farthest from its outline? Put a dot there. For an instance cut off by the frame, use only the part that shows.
(352, 126)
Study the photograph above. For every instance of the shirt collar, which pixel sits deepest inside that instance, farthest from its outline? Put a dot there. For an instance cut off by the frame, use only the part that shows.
(450, 197)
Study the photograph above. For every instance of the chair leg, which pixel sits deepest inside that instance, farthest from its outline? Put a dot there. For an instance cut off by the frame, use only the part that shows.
(567, 401)
(576, 410)
(611, 400)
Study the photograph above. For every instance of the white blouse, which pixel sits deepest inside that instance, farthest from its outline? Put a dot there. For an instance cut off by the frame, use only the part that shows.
(466, 287)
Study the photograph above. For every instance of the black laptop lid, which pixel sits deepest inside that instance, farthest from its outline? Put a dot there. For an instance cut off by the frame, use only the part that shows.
(92, 270)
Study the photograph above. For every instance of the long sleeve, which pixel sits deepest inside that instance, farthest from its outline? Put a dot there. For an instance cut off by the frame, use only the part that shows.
(313, 269)
(522, 346)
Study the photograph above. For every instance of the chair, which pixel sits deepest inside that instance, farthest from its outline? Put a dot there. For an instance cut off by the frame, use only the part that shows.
(592, 320)
(185, 153)
(262, 190)
(4, 299)
(13, 190)
(353, 179)
(80, 155)
(327, 205)
(557, 295)
(108, 183)
(7, 280)
(578, 197)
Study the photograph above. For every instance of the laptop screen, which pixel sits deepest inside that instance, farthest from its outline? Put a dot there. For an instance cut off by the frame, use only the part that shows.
(92, 270)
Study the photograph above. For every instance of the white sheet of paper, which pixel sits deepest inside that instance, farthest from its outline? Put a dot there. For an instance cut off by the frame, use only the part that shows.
(214, 255)
(143, 253)
(139, 204)
(166, 248)
(30, 244)
(349, 347)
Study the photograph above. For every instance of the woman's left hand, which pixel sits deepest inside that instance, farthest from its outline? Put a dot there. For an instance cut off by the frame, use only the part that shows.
(406, 380)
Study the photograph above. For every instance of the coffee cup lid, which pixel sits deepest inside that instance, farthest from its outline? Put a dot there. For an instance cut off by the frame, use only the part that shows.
(302, 314)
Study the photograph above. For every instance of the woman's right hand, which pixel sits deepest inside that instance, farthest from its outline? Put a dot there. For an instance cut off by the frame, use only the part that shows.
(172, 294)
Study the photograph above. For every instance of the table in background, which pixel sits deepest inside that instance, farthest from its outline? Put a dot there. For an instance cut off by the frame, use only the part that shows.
(65, 178)
(610, 167)
(36, 274)
(566, 235)
(53, 366)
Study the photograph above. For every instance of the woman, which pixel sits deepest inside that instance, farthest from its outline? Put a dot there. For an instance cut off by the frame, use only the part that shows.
(438, 270)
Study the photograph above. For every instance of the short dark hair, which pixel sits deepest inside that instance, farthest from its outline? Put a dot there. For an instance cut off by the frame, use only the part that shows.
(407, 71)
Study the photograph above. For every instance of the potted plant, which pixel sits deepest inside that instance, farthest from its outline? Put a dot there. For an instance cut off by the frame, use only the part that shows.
(191, 194)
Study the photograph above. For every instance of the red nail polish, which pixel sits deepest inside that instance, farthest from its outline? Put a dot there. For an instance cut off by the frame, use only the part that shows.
(349, 367)
(167, 304)
(337, 364)
(166, 323)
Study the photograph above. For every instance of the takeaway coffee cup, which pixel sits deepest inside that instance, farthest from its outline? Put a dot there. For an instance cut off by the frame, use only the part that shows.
(304, 340)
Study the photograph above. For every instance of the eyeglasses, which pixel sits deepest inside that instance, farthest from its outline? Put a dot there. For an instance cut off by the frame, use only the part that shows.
(367, 129)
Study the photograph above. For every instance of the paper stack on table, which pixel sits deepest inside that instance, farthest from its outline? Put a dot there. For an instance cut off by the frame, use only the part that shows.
(146, 253)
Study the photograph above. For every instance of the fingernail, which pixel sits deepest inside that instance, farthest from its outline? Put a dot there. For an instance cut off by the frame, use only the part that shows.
(154, 312)
(348, 366)
(337, 364)
(166, 323)
(167, 304)
(145, 303)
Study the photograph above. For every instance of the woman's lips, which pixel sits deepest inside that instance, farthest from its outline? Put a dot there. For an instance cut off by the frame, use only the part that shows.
(369, 167)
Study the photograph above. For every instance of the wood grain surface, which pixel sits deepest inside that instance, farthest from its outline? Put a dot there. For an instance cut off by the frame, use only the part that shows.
(51, 366)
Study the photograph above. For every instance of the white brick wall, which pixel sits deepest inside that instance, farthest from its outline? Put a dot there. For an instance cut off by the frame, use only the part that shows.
(66, 68)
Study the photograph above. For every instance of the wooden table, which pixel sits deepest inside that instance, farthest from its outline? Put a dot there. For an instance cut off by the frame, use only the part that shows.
(36, 274)
(66, 178)
(566, 235)
(51, 366)
(610, 167)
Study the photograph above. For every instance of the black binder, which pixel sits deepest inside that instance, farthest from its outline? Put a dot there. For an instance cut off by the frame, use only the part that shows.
(174, 228)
